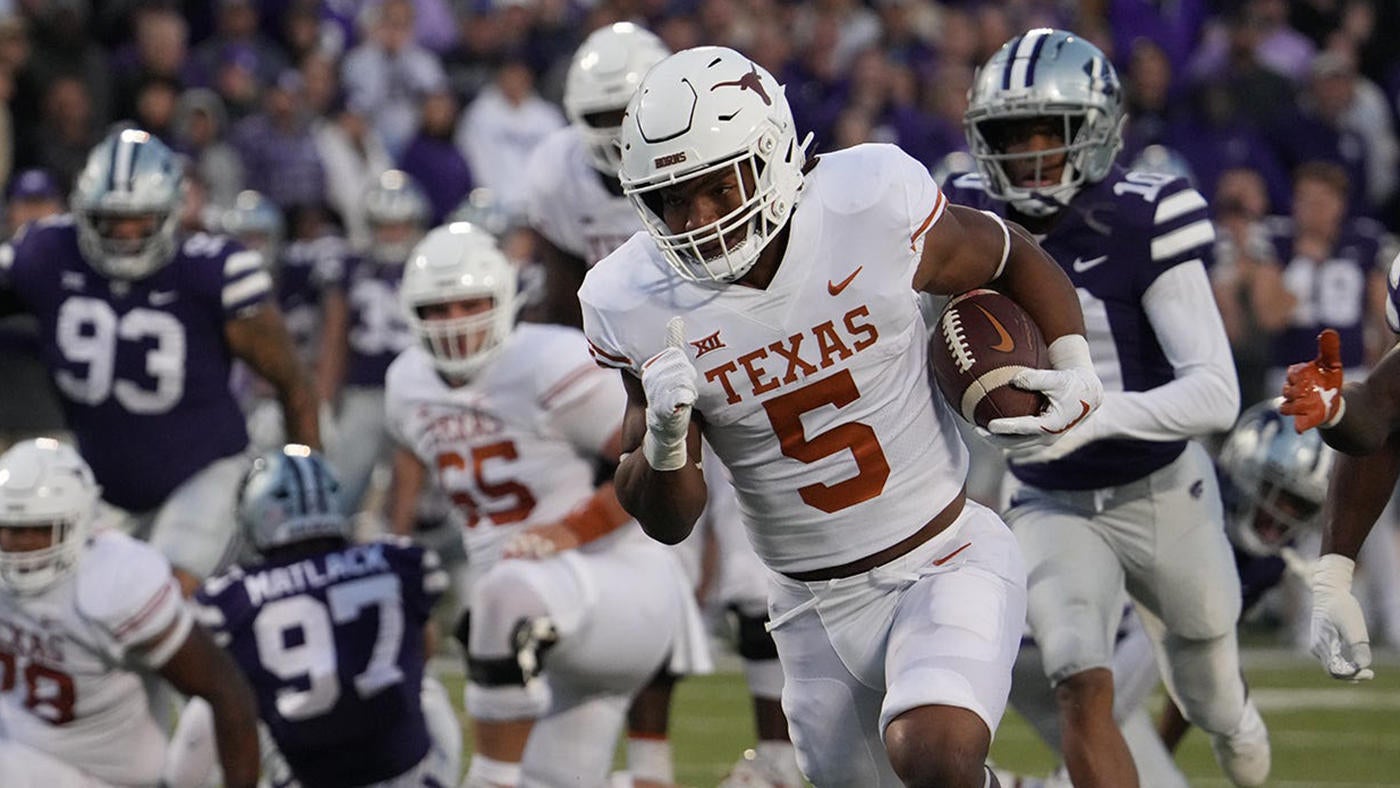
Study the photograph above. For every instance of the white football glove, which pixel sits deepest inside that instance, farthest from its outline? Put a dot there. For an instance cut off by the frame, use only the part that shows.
(1072, 388)
(1339, 637)
(668, 378)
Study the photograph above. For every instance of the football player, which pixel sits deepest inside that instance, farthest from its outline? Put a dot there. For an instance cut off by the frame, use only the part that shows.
(307, 275)
(572, 609)
(1358, 420)
(770, 306)
(333, 636)
(139, 328)
(577, 209)
(397, 212)
(1127, 501)
(86, 616)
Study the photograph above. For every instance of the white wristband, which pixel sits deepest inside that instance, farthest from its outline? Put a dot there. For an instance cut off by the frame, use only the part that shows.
(1334, 571)
(664, 456)
(1337, 417)
(1070, 351)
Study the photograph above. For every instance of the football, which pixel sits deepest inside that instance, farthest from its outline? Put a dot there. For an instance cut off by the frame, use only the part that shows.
(981, 341)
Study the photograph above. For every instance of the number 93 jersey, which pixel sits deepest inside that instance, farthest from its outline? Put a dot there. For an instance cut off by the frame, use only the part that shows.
(142, 366)
(70, 675)
(333, 645)
(814, 392)
(517, 446)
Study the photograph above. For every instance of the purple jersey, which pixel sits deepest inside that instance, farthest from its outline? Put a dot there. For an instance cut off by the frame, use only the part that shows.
(142, 366)
(378, 330)
(1113, 241)
(333, 645)
(305, 271)
(1331, 294)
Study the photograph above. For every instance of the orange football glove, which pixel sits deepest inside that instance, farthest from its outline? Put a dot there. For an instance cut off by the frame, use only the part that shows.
(1312, 395)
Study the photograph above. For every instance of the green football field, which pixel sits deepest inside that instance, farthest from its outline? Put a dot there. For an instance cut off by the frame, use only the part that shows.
(1326, 734)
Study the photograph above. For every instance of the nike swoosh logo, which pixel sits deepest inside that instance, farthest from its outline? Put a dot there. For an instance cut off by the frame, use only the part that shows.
(1006, 344)
(835, 288)
(1081, 265)
(945, 559)
(1077, 419)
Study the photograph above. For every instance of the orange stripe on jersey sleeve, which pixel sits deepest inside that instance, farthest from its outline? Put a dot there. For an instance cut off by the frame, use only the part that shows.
(606, 359)
(573, 376)
(938, 206)
(152, 605)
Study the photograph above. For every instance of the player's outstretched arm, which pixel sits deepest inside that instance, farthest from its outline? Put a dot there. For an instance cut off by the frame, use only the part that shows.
(408, 479)
(667, 500)
(1355, 419)
(200, 668)
(260, 338)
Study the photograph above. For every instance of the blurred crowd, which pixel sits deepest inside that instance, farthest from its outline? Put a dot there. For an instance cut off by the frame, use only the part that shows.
(310, 101)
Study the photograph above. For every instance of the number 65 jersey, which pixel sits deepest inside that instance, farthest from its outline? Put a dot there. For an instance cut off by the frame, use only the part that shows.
(515, 447)
(814, 392)
(143, 365)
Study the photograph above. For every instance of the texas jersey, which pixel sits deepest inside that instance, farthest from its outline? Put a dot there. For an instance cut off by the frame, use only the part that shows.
(142, 366)
(814, 392)
(68, 667)
(517, 446)
(1113, 240)
(1330, 294)
(568, 204)
(378, 329)
(305, 271)
(333, 645)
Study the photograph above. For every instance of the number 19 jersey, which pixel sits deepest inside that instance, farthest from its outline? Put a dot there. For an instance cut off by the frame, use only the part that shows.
(814, 392)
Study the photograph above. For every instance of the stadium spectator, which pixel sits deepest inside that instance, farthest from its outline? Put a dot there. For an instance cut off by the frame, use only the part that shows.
(200, 124)
(278, 146)
(432, 157)
(237, 29)
(388, 74)
(67, 129)
(353, 157)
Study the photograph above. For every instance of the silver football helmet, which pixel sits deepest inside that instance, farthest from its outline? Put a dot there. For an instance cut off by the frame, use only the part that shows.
(44, 484)
(397, 212)
(1276, 479)
(604, 73)
(460, 262)
(699, 112)
(257, 223)
(290, 495)
(130, 175)
(1054, 75)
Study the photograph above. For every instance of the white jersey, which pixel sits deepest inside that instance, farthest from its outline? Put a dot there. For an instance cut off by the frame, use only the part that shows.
(72, 685)
(815, 391)
(568, 204)
(516, 446)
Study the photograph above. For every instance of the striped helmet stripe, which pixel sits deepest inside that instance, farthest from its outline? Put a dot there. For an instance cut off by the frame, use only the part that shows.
(1019, 68)
(294, 475)
(1010, 62)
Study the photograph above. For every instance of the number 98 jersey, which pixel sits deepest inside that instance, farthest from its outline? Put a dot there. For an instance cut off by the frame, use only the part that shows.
(142, 366)
(814, 391)
(333, 646)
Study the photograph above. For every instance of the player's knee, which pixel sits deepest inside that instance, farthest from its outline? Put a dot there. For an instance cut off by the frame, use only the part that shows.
(503, 687)
(938, 746)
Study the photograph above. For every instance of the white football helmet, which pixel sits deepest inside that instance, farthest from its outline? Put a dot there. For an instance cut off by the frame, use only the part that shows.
(129, 174)
(605, 72)
(44, 483)
(1054, 74)
(291, 495)
(698, 112)
(1276, 479)
(459, 262)
(395, 199)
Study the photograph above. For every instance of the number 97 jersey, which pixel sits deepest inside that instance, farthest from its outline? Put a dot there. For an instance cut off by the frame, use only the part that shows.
(142, 365)
(333, 645)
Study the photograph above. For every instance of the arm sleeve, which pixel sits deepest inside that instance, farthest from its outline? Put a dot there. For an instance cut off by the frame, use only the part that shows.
(924, 205)
(136, 602)
(1204, 397)
(580, 400)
